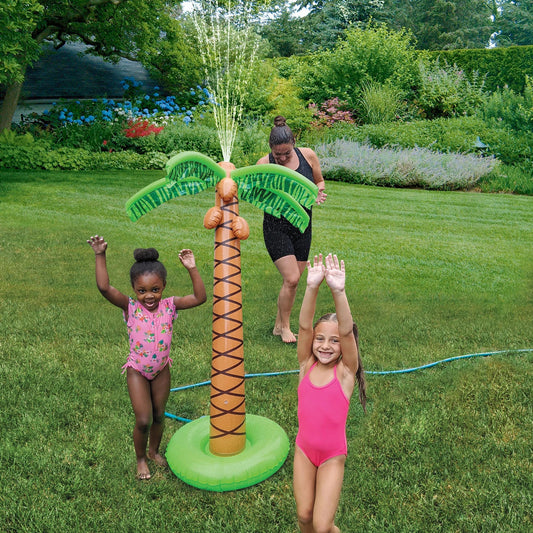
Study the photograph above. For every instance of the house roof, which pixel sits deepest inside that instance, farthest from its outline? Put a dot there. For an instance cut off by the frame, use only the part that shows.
(69, 73)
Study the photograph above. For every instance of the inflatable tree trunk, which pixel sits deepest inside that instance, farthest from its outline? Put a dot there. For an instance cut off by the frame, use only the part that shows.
(227, 412)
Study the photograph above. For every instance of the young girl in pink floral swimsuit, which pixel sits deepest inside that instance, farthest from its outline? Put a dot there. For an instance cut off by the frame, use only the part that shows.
(150, 320)
(330, 365)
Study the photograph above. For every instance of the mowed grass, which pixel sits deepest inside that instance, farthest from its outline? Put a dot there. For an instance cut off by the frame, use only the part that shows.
(431, 275)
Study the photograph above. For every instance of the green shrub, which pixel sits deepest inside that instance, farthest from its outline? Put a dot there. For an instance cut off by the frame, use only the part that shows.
(506, 107)
(258, 101)
(10, 137)
(446, 91)
(371, 54)
(516, 179)
(40, 156)
(175, 137)
(93, 137)
(284, 100)
(251, 144)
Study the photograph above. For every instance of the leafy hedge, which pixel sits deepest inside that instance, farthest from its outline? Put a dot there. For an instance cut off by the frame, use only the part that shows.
(500, 66)
(39, 156)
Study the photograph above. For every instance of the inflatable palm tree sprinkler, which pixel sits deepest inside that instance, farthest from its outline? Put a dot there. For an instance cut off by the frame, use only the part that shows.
(229, 449)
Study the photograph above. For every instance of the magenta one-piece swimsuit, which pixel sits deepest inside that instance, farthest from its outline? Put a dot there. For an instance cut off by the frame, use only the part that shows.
(322, 414)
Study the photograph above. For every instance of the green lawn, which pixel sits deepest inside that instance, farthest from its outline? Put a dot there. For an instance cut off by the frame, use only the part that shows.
(431, 275)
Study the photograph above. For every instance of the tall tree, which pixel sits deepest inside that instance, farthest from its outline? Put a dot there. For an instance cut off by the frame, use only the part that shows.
(110, 28)
(514, 23)
(329, 19)
(285, 34)
(306, 26)
(443, 24)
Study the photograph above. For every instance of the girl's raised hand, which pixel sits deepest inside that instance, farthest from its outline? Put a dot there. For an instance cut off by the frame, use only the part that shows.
(315, 272)
(335, 274)
(187, 258)
(98, 244)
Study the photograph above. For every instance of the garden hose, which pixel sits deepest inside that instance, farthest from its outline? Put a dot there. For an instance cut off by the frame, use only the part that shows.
(372, 372)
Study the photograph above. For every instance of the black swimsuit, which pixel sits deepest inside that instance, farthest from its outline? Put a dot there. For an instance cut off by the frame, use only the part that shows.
(281, 237)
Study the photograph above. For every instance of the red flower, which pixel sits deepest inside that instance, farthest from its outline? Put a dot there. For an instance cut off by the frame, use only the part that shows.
(141, 128)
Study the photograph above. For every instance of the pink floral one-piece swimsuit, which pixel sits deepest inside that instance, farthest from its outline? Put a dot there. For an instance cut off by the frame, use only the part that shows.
(150, 335)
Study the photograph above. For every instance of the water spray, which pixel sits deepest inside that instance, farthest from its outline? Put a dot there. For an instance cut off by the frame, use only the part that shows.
(228, 47)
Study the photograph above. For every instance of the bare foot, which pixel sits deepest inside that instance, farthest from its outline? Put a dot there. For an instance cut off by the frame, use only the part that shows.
(288, 336)
(143, 472)
(158, 459)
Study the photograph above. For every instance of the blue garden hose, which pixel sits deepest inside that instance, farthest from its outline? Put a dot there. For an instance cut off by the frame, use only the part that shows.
(376, 373)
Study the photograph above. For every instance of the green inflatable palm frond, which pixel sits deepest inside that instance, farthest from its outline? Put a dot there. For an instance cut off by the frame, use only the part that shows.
(278, 203)
(187, 173)
(278, 191)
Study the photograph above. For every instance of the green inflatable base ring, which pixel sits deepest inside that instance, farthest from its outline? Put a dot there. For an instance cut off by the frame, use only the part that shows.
(188, 455)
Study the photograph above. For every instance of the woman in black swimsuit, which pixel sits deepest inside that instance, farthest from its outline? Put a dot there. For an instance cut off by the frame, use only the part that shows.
(286, 245)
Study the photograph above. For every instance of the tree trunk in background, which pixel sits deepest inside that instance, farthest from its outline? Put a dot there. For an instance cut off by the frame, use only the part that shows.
(9, 105)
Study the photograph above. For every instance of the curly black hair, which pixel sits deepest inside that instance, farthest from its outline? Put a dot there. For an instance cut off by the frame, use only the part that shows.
(146, 260)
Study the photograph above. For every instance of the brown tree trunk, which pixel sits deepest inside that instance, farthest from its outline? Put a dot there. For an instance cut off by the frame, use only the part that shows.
(9, 105)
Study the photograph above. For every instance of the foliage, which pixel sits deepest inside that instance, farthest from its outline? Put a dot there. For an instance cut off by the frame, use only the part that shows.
(443, 24)
(42, 156)
(181, 137)
(446, 91)
(176, 62)
(10, 137)
(185, 106)
(251, 143)
(261, 98)
(513, 179)
(372, 54)
(18, 19)
(397, 167)
(506, 108)
(436, 25)
(514, 23)
(331, 112)
(327, 21)
(283, 100)
(497, 66)
(284, 34)
(112, 125)
(444, 135)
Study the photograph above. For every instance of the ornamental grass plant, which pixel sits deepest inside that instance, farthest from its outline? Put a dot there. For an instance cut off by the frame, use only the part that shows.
(431, 275)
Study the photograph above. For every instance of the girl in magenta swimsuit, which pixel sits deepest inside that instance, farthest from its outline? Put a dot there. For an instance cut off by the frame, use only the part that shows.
(330, 365)
(149, 319)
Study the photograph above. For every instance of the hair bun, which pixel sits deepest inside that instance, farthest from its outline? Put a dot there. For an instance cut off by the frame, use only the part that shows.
(280, 121)
(143, 255)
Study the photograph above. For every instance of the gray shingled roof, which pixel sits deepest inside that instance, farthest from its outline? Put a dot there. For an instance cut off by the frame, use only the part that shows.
(66, 73)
